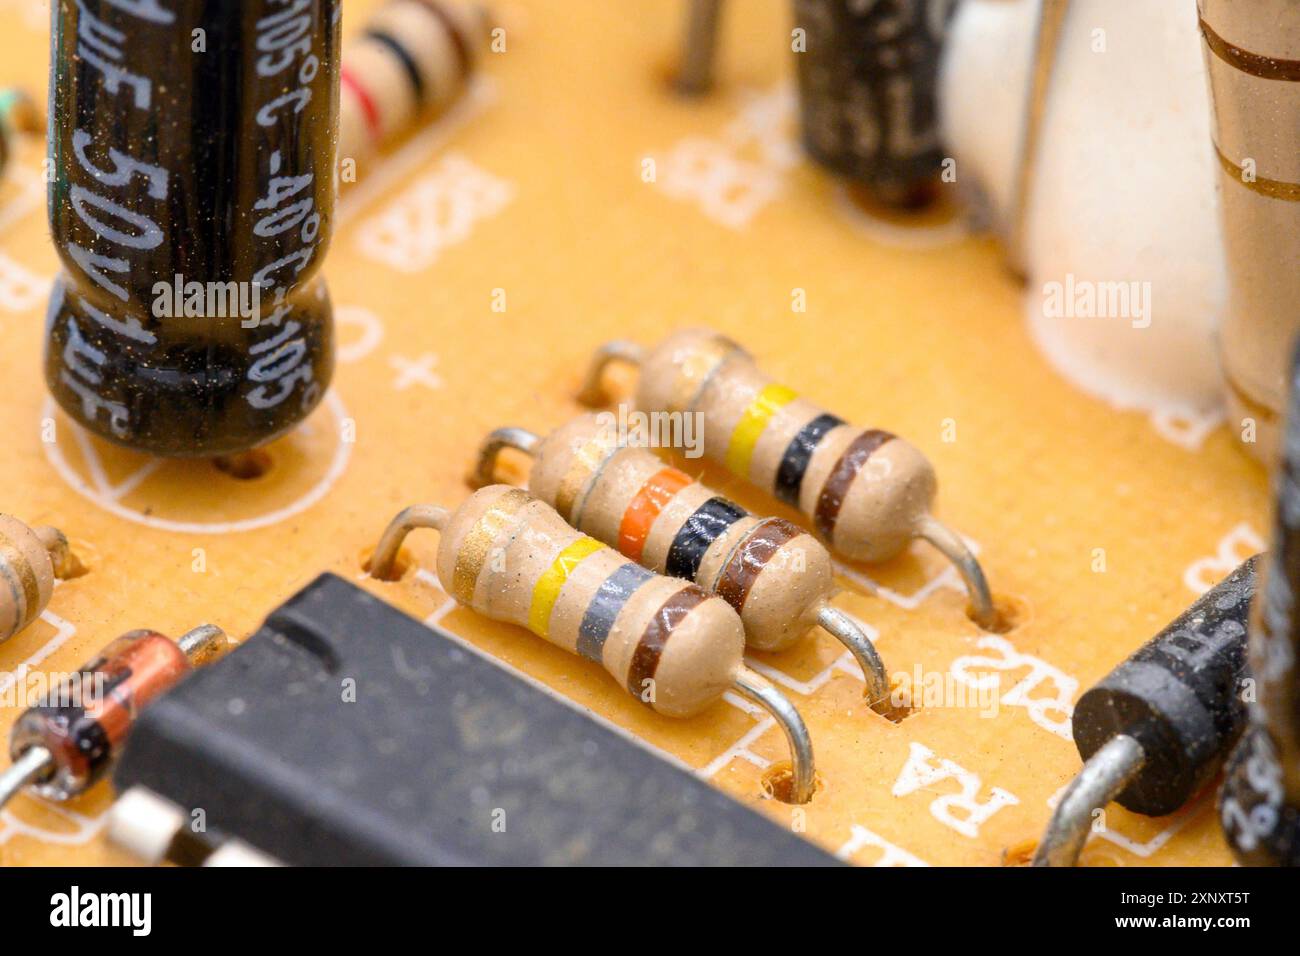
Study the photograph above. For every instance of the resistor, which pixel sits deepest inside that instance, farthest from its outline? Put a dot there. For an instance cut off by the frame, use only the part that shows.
(30, 560)
(413, 59)
(867, 103)
(776, 576)
(1158, 727)
(867, 492)
(1259, 805)
(64, 745)
(510, 557)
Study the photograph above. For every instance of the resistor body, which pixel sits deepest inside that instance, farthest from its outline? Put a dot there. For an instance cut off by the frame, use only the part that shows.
(193, 147)
(63, 745)
(867, 103)
(510, 557)
(413, 58)
(775, 575)
(1159, 726)
(30, 560)
(866, 492)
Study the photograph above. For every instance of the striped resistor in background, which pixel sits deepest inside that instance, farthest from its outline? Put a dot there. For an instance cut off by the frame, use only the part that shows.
(412, 60)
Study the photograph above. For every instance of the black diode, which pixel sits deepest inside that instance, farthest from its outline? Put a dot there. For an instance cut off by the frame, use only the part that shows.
(192, 146)
(1157, 728)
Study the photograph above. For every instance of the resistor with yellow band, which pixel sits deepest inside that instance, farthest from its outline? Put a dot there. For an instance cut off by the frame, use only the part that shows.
(30, 560)
(774, 575)
(62, 746)
(510, 557)
(413, 59)
(867, 492)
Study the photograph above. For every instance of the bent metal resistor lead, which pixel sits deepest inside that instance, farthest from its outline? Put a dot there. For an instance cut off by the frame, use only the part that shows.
(64, 744)
(867, 492)
(776, 576)
(510, 557)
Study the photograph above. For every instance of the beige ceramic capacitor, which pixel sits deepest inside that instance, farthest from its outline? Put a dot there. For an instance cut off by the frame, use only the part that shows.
(866, 492)
(776, 576)
(30, 560)
(510, 557)
(1252, 52)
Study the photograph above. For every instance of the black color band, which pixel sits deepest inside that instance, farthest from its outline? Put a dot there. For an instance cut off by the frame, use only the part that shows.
(408, 64)
(794, 463)
(709, 522)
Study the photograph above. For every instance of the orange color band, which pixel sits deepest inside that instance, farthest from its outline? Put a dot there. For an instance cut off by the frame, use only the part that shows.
(645, 507)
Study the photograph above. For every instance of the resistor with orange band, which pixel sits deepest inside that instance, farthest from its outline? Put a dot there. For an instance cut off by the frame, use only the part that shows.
(776, 576)
(867, 492)
(64, 745)
(413, 59)
(511, 558)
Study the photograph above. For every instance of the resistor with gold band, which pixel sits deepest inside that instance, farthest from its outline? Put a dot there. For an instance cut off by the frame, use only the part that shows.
(774, 575)
(65, 744)
(413, 58)
(511, 558)
(867, 492)
(30, 560)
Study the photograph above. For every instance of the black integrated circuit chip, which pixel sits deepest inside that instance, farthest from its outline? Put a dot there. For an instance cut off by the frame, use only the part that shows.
(346, 732)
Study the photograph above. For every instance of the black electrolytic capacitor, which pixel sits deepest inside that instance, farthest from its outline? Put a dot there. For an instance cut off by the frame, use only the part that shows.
(1262, 828)
(867, 75)
(192, 146)
(1158, 727)
(1259, 805)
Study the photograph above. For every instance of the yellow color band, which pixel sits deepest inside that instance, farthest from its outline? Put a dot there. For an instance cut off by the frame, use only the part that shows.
(752, 425)
(547, 589)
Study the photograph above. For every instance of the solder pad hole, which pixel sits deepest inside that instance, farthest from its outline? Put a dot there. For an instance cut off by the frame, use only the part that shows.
(245, 465)
(1019, 854)
(892, 712)
(778, 782)
(401, 565)
(1010, 614)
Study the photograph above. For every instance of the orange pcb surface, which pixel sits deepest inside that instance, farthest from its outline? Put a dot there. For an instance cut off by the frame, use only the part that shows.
(571, 198)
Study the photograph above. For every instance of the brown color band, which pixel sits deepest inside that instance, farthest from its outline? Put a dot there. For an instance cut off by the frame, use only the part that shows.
(841, 478)
(645, 659)
(1272, 188)
(464, 55)
(750, 557)
(1256, 64)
